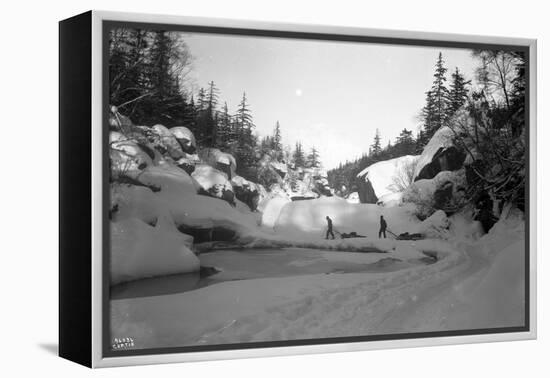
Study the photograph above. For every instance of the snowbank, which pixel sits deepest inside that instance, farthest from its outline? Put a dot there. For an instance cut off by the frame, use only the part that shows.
(307, 218)
(271, 207)
(139, 251)
(170, 180)
(214, 182)
(389, 176)
(353, 198)
(391, 199)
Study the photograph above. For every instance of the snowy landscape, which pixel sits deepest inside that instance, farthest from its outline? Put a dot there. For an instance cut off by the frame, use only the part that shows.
(227, 228)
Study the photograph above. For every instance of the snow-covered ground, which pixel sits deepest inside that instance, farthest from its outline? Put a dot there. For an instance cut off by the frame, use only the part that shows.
(285, 280)
(475, 283)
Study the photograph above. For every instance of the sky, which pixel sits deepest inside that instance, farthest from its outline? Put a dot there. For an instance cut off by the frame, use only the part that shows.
(331, 95)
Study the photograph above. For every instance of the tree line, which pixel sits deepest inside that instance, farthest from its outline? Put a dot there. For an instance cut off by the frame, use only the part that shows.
(488, 123)
(148, 77)
(442, 101)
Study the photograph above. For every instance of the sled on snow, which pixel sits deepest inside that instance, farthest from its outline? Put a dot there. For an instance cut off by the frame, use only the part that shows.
(407, 236)
(351, 235)
(344, 235)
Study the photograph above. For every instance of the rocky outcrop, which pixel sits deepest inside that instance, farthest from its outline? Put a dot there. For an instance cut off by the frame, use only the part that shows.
(445, 159)
(385, 177)
(222, 161)
(214, 183)
(446, 192)
(185, 138)
(366, 191)
(440, 154)
(165, 142)
(247, 192)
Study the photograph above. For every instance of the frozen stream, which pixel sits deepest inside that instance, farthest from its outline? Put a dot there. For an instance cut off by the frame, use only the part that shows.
(245, 264)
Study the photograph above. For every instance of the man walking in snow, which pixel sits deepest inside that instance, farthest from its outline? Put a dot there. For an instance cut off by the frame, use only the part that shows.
(329, 228)
(383, 226)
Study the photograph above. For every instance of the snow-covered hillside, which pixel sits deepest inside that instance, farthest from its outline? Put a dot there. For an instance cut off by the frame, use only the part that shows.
(385, 178)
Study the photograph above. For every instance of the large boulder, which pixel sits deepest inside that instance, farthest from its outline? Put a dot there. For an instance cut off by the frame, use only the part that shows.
(127, 157)
(446, 191)
(440, 154)
(222, 161)
(280, 168)
(366, 191)
(247, 192)
(188, 162)
(186, 139)
(165, 142)
(385, 177)
(214, 183)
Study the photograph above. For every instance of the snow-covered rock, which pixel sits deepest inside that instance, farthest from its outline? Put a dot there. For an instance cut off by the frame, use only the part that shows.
(222, 161)
(435, 226)
(165, 141)
(353, 198)
(169, 179)
(443, 192)
(279, 167)
(386, 177)
(440, 154)
(214, 183)
(186, 138)
(188, 162)
(126, 156)
(139, 250)
(248, 192)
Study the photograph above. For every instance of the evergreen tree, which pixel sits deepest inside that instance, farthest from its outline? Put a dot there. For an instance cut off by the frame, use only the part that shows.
(277, 138)
(201, 100)
(437, 100)
(298, 156)
(313, 160)
(458, 93)
(376, 147)
(405, 143)
(225, 136)
(246, 141)
(420, 142)
(210, 121)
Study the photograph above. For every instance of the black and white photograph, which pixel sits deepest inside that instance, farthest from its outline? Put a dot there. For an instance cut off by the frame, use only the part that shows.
(300, 189)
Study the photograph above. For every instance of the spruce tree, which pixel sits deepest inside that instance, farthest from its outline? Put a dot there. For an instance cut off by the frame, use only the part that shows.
(458, 93)
(210, 116)
(298, 156)
(313, 160)
(376, 147)
(277, 138)
(405, 143)
(224, 128)
(437, 100)
(246, 142)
